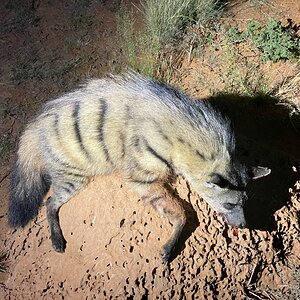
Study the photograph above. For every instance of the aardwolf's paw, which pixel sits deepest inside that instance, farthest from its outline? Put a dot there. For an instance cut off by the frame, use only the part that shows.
(59, 244)
(166, 253)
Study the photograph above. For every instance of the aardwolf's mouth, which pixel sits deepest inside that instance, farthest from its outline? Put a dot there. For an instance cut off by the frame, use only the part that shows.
(235, 231)
(235, 226)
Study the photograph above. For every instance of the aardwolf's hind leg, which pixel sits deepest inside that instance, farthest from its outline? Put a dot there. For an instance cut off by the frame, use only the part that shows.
(62, 192)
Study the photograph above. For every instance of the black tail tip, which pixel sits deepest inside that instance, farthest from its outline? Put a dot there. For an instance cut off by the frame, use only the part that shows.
(16, 220)
(19, 214)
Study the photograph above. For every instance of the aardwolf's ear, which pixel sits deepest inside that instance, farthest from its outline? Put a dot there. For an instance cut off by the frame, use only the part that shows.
(258, 172)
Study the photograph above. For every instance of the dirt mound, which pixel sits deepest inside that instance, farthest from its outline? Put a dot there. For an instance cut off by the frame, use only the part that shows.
(113, 251)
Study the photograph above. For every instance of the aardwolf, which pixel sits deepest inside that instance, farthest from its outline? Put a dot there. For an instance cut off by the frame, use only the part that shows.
(142, 127)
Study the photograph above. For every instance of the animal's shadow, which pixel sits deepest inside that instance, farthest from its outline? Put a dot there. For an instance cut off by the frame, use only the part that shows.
(191, 225)
(266, 135)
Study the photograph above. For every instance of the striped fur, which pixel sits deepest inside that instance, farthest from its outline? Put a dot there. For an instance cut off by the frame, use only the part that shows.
(140, 126)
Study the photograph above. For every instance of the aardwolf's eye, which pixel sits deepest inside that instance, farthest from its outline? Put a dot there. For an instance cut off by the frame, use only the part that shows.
(220, 181)
(229, 206)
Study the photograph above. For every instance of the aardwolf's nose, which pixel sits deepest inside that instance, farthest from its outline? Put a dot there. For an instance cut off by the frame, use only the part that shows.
(243, 225)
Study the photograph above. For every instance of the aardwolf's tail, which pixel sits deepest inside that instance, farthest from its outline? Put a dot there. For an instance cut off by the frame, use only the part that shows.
(29, 182)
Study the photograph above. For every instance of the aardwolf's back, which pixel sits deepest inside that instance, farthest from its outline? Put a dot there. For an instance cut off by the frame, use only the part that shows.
(94, 128)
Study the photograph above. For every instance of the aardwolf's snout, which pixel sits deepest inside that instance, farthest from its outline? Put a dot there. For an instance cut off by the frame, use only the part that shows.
(234, 220)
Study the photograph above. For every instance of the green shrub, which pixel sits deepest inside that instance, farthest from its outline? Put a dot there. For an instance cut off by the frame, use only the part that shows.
(272, 40)
(235, 36)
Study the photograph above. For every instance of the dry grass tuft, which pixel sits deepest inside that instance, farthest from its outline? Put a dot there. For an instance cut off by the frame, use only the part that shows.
(289, 93)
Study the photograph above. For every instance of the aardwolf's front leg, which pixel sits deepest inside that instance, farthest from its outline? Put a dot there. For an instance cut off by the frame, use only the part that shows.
(161, 198)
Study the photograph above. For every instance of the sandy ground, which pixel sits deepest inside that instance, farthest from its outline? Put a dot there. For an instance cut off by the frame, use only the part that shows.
(113, 238)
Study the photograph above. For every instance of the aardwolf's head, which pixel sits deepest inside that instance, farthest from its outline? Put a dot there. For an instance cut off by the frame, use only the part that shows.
(225, 191)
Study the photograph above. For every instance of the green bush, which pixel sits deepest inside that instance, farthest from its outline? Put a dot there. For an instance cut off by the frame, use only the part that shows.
(272, 40)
